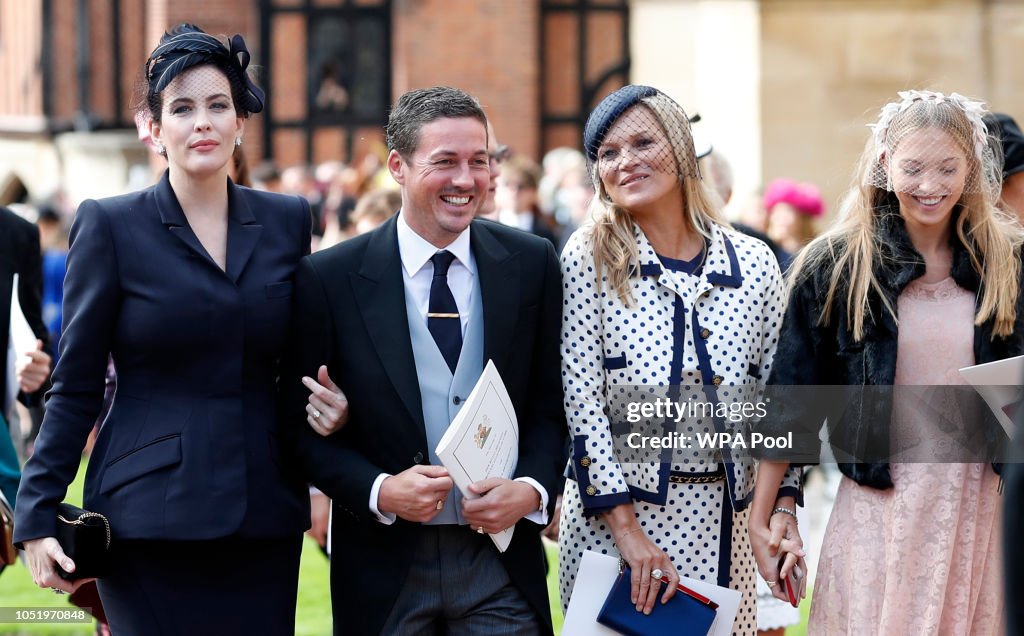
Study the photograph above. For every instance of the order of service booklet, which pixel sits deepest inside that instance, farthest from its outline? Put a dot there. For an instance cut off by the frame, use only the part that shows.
(22, 341)
(483, 440)
(999, 383)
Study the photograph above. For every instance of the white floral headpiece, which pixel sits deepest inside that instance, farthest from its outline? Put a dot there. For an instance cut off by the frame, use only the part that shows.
(972, 109)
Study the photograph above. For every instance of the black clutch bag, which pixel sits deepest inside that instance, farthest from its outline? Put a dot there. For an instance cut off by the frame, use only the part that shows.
(686, 614)
(85, 538)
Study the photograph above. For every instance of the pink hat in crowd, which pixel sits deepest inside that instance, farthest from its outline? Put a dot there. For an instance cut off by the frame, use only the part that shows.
(805, 197)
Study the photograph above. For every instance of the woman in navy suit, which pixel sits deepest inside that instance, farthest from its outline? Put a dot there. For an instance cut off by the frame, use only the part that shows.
(187, 284)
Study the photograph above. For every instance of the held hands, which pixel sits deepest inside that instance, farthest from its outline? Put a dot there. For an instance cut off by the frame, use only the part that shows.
(43, 555)
(500, 504)
(32, 369)
(769, 542)
(327, 410)
(416, 494)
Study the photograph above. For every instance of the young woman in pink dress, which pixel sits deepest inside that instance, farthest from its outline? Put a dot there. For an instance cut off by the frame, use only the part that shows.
(920, 277)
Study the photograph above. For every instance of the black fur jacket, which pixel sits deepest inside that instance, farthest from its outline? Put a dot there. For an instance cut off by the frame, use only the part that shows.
(813, 354)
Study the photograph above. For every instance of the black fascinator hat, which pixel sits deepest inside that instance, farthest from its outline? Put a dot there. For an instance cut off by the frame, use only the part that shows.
(186, 46)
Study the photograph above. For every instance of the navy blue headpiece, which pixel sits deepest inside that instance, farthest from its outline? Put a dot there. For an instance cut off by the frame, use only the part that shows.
(605, 114)
(186, 45)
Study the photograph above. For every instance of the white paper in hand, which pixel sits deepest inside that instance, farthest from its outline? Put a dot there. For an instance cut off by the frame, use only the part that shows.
(22, 340)
(22, 336)
(483, 440)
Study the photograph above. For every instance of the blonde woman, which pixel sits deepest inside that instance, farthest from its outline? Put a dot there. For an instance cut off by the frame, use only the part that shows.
(920, 277)
(659, 292)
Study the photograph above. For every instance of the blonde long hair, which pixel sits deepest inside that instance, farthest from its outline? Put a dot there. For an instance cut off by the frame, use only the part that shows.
(615, 249)
(851, 251)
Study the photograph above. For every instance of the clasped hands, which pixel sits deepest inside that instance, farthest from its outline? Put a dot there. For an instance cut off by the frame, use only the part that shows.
(418, 493)
(779, 536)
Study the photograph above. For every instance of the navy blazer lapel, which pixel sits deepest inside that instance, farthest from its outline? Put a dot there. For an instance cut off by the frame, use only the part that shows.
(380, 293)
(243, 232)
(499, 272)
(172, 216)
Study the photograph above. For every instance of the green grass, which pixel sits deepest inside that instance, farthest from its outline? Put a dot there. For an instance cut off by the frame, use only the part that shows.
(553, 597)
(805, 614)
(17, 589)
(313, 612)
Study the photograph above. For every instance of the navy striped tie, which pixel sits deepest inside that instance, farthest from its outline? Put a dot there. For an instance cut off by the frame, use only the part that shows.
(443, 314)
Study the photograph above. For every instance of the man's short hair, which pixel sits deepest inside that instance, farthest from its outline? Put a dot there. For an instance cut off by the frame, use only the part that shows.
(419, 107)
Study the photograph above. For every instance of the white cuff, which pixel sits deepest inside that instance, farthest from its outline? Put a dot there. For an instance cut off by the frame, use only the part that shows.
(387, 518)
(540, 517)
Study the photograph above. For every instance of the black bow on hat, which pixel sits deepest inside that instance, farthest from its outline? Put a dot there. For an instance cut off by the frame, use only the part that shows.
(186, 46)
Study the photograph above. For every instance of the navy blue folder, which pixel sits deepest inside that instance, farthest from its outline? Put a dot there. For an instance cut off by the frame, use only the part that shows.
(686, 614)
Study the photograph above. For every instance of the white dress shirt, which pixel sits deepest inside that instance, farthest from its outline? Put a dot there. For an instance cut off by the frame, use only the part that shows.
(417, 273)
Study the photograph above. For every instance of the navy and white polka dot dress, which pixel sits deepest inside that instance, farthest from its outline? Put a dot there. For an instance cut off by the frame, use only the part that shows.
(713, 328)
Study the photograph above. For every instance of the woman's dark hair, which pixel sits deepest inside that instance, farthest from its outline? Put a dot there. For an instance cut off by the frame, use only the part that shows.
(186, 46)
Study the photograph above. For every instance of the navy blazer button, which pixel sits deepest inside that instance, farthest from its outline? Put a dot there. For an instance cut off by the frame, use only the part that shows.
(418, 458)
(457, 400)
(585, 461)
(704, 333)
(591, 491)
(717, 380)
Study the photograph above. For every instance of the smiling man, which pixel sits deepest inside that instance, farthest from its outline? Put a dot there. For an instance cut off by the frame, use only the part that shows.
(405, 318)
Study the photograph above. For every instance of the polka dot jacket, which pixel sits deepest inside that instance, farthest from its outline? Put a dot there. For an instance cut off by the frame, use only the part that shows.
(701, 333)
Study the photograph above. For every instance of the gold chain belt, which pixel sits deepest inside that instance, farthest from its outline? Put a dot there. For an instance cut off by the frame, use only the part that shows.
(696, 478)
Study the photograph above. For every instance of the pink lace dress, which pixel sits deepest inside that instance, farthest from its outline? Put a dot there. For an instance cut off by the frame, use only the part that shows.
(923, 557)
